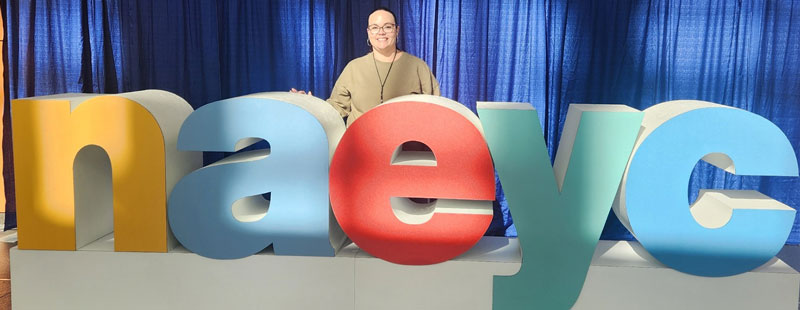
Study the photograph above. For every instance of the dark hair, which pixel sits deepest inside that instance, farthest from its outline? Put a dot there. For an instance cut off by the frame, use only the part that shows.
(383, 8)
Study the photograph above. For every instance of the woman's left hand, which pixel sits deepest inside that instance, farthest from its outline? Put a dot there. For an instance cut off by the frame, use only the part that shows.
(301, 92)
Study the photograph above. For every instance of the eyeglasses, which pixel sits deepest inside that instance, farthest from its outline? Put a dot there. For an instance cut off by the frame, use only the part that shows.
(387, 28)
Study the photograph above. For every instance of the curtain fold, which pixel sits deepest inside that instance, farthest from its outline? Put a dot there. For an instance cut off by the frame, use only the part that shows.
(547, 53)
(10, 220)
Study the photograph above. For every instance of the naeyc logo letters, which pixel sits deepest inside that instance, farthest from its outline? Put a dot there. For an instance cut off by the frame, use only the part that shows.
(141, 152)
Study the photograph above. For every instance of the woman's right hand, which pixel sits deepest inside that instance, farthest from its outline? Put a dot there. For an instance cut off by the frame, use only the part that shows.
(301, 92)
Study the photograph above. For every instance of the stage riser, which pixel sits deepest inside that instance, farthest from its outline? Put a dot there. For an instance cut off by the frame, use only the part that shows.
(619, 278)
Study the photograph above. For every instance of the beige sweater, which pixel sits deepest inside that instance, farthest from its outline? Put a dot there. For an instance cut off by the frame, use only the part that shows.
(358, 88)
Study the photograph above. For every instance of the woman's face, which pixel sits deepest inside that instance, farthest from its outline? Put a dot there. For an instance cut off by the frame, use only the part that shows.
(384, 26)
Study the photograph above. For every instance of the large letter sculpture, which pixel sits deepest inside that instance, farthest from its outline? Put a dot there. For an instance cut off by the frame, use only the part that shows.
(725, 232)
(372, 179)
(570, 200)
(218, 211)
(55, 136)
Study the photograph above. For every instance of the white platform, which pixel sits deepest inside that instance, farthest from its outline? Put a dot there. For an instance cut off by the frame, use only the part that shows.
(624, 276)
(621, 277)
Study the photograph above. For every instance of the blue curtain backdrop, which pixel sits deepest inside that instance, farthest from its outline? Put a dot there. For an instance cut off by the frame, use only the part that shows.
(548, 53)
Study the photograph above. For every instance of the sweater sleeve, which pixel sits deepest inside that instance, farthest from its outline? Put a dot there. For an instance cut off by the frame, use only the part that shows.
(340, 95)
(428, 82)
(436, 91)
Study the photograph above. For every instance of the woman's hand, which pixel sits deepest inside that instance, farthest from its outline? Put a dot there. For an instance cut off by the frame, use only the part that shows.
(301, 92)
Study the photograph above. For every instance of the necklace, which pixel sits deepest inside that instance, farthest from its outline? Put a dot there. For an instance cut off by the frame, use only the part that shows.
(383, 82)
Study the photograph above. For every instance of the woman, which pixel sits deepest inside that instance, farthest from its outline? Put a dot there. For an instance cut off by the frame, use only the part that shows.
(383, 74)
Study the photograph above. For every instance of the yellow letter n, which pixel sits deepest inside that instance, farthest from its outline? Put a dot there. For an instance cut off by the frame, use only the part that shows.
(69, 147)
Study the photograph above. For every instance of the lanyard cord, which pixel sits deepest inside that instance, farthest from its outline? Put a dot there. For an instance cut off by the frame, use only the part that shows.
(383, 82)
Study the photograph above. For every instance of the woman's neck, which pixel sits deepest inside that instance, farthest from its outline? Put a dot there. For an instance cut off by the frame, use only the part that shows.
(386, 55)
